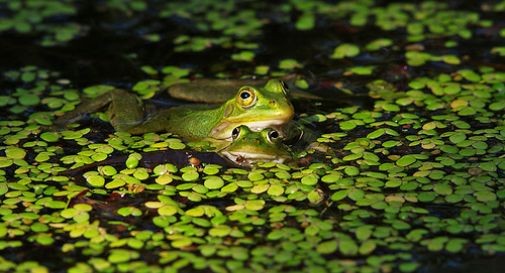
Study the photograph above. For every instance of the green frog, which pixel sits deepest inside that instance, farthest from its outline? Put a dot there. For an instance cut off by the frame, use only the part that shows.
(249, 147)
(256, 108)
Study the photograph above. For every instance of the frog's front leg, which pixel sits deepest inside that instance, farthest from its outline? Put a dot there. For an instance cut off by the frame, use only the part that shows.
(125, 110)
(152, 123)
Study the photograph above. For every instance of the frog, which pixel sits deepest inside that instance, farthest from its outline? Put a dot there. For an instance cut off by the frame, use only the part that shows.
(254, 107)
(249, 147)
(204, 90)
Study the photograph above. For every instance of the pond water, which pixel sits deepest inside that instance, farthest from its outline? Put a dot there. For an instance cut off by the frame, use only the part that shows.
(412, 111)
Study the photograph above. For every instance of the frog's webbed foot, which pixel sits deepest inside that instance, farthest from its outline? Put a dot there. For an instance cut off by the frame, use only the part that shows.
(295, 133)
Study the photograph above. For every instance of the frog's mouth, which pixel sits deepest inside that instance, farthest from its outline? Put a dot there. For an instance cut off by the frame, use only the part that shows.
(275, 118)
(245, 158)
(260, 125)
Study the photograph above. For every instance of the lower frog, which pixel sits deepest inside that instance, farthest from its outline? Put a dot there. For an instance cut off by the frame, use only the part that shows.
(257, 108)
(249, 147)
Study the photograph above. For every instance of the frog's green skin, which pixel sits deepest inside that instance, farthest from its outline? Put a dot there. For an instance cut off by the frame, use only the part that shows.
(249, 147)
(264, 107)
(220, 90)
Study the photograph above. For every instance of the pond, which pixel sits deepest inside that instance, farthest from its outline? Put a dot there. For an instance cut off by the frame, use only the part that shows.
(403, 171)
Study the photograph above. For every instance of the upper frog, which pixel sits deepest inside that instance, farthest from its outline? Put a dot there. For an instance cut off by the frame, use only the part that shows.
(257, 108)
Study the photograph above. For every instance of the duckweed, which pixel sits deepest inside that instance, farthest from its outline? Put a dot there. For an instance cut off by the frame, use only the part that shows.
(413, 175)
(213, 182)
(345, 50)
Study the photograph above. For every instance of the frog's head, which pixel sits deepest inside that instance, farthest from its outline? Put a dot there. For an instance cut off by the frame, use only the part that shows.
(257, 108)
(249, 147)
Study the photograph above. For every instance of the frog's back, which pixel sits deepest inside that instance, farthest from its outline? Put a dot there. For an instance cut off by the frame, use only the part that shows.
(209, 90)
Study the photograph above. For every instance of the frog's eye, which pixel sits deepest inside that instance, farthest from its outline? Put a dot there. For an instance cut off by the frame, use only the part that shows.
(285, 88)
(246, 98)
(235, 133)
(273, 136)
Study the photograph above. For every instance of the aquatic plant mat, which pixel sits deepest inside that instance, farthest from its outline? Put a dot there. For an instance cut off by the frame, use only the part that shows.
(413, 111)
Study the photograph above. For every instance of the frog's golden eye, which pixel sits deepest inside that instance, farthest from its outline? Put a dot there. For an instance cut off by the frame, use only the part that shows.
(235, 133)
(246, 98)
(273, 136)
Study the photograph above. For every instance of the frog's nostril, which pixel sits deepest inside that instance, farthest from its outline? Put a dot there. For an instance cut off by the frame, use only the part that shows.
(272, 102)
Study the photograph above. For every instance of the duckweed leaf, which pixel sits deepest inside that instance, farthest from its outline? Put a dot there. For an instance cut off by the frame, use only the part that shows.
(345, 50)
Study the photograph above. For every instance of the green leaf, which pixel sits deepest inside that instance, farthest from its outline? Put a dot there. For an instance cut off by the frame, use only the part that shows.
(345, 50)
(327, 247)
(405, 160)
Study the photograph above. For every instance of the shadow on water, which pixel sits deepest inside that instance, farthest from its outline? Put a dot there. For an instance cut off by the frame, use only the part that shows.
(494, 264)
(96, 58)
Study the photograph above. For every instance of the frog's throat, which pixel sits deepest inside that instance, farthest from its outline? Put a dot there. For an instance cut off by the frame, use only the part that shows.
(245, 158)
(253, 125)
